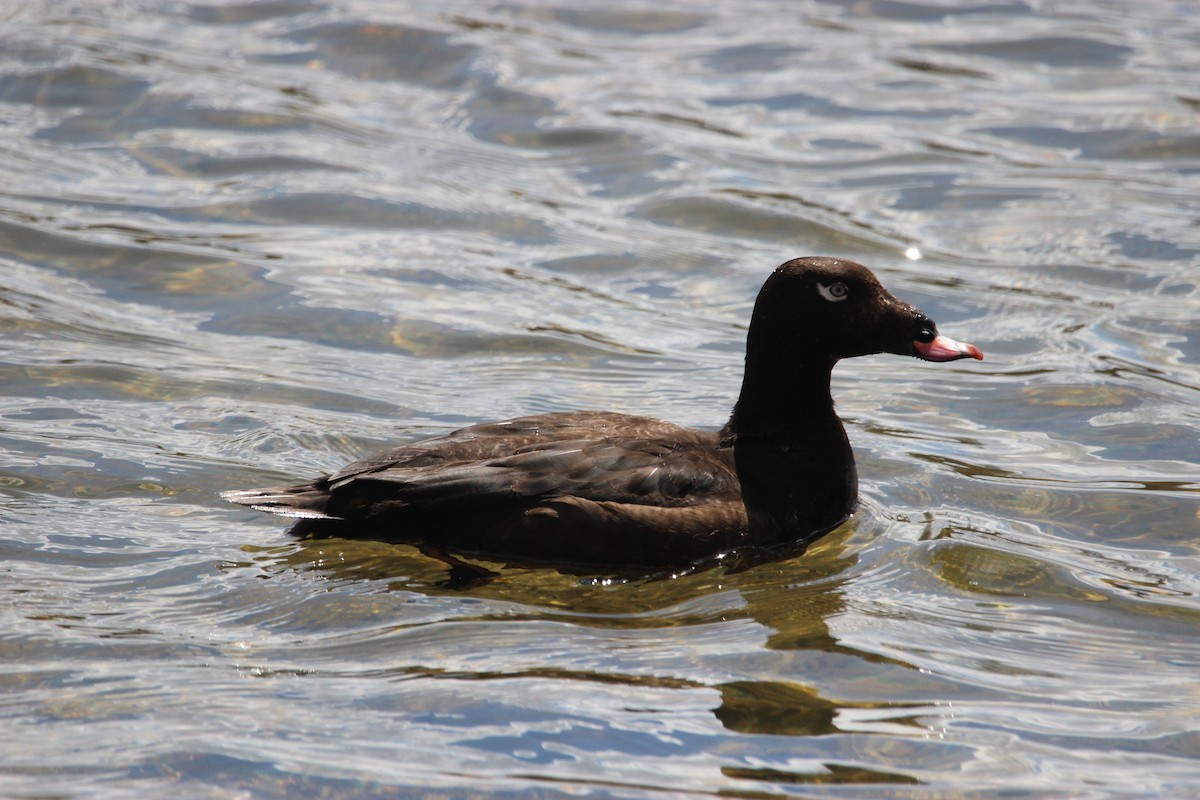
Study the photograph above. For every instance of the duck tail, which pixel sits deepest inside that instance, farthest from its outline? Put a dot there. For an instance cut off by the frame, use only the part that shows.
(306, 501)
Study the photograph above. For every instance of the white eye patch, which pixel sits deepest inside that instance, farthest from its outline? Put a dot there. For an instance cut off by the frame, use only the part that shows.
(834, 292)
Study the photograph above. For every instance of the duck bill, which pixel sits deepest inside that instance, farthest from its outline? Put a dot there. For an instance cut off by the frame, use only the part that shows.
(943, 348)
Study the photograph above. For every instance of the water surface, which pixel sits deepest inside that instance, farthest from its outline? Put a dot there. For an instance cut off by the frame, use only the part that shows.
(246, 243)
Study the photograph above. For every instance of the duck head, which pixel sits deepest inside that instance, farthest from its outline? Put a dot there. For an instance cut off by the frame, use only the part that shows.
(821, 309)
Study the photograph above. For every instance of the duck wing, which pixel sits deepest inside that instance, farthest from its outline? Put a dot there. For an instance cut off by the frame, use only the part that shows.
(593, 456)
(652, 472)
(652, 501)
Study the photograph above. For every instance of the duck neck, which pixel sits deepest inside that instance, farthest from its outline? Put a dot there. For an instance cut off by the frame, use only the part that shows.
(793, 459)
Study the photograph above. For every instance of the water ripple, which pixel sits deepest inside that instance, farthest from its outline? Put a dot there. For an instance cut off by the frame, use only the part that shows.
(242, 243)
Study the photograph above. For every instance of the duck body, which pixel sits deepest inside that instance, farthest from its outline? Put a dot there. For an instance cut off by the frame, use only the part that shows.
(617, 490)
(578, 487)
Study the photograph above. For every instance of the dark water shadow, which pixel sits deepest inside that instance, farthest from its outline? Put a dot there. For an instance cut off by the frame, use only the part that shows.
(463, 571)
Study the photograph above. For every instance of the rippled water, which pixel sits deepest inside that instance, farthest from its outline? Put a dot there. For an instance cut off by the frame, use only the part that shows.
(245, 243)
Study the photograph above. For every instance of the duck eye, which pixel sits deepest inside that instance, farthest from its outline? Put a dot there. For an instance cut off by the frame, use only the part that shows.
(834, 292)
